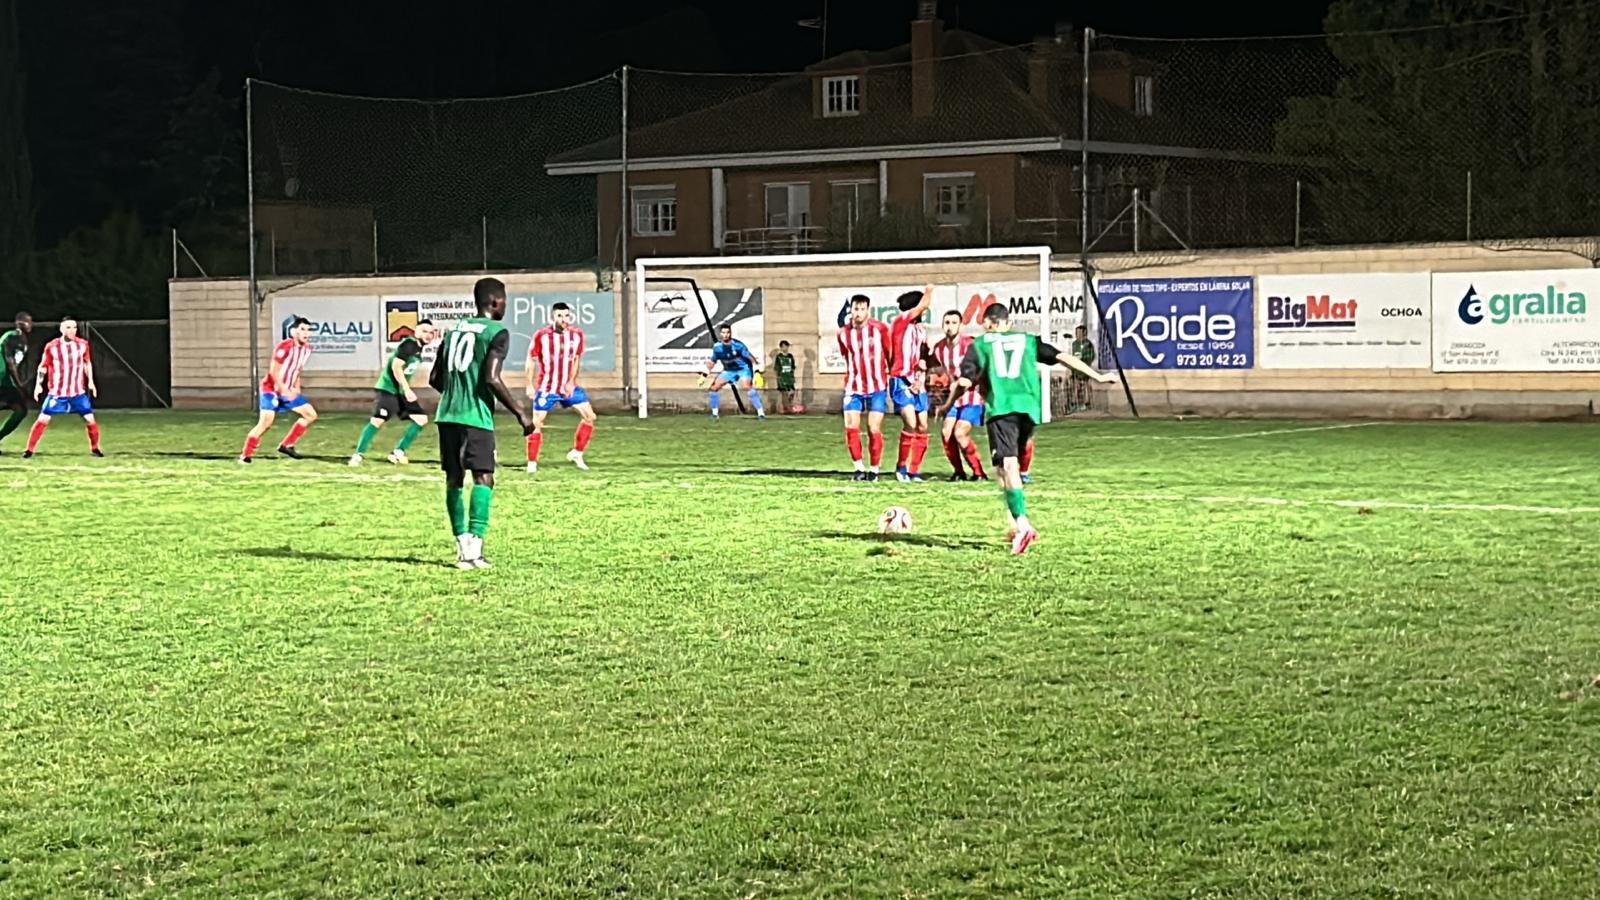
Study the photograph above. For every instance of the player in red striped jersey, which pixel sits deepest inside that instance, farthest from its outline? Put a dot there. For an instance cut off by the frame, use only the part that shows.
(66, 368)
(280, 390)
(864, 343)
(967, 410)
(557, 352)
(908, 376)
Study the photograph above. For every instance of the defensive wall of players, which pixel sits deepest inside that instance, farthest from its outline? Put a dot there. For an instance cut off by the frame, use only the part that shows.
(1421, 331)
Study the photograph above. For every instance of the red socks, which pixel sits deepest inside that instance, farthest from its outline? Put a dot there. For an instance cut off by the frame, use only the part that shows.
(36, 432)
(852, 439)
(581, 439)
(973, 460)
(919, 449)
(294, 434)
(1027, 457)
(952, 452)
(250, 445)
(533, 445)
(875, 446)
(906, 440)
(94, 434)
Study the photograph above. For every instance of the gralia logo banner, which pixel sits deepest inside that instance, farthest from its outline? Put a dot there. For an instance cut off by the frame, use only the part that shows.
(1550, 306)
(1180, 323)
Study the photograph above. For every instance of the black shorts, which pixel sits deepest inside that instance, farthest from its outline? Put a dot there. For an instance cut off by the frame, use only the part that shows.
(1008, 434)
(11, 397)
(388, 406)
(463, 448)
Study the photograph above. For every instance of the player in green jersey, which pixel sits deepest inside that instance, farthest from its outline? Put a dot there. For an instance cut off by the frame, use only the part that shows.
(1005, 367)
(466, 373)
(783, 363)
(394, 398)
(14, 349)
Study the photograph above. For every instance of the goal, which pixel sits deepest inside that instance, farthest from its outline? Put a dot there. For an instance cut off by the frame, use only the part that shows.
(695, 274)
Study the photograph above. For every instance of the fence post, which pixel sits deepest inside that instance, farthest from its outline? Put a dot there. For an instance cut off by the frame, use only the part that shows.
(1136, 220)
(250, 193)
(174, 253)
(1083, 155)
(374, 245)
(1469, 204)
(625, 226)
(486, 242)
(1297, 213)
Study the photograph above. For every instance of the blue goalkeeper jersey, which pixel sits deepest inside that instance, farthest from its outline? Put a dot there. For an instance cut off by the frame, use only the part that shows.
(733, 355)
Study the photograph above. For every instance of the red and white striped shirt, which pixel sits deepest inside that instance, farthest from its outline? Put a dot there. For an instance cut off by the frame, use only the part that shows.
(908, 337)
(555, 352)
(866, 357)
(950, 352)
(291, 358)
(66, 362)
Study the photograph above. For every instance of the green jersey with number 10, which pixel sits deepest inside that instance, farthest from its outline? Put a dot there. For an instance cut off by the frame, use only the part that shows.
(467, 398)
(1009, 365)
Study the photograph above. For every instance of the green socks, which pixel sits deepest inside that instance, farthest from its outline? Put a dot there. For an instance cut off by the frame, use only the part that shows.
(368, 432)
(458, 512)
(11, 424)
(1014, 503)
(412, 430)
(480, 509)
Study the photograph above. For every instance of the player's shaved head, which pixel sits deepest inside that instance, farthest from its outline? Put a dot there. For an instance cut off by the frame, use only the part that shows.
(487, 295)
(24, 322)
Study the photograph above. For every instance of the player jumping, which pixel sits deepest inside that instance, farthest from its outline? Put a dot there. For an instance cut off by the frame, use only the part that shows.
(557, 350)
(908, 373)
(65, 363)
(466, 374)
(1006, 366)
(14, 349)
(965, 408)
(280, 390)
(864, 342)
(394, 398)
(739, 367)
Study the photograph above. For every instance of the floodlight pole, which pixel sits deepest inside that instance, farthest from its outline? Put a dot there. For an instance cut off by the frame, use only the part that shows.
(250, 194)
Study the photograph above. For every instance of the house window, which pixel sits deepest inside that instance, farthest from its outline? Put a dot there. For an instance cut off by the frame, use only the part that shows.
(788, 205)
(841, 95)
(853, 200)
(1144, 95)
(655, 211)
(947, 197)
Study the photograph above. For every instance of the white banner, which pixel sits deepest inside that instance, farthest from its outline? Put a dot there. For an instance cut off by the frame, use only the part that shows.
(884, 308)
(1532, 321)
(402, 312)
(1022, 299)
(1344, 321)
(345, 331)
(679, 341)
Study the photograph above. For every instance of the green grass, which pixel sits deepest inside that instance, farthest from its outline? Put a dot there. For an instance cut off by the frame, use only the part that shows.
(1209, 678)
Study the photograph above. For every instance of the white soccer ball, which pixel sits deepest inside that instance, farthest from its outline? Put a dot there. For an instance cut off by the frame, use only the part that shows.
(895, 520)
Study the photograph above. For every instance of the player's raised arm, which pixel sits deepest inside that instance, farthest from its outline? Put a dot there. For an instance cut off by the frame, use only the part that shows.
(922, 305)
(1050, 356)
(493, 361)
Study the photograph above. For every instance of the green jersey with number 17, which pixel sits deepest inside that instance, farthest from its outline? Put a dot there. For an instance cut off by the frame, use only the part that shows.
(1009, 363)
(467, 398)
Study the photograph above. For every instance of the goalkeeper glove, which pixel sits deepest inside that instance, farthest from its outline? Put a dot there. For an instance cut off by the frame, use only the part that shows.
(758, 381)
(702, 382)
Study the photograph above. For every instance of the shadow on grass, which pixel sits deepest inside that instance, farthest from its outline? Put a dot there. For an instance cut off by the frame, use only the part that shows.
(319, 556)
(820, 474)
(920, 540)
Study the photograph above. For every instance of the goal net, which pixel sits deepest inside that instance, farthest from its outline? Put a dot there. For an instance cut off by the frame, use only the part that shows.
(681, 302)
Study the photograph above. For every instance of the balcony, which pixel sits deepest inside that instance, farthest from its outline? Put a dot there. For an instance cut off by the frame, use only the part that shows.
(772, 241)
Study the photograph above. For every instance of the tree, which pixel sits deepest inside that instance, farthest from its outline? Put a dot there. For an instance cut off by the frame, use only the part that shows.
(16, 170)
(1509, 97)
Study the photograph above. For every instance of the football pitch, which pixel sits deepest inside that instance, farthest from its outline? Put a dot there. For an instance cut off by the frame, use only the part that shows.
(1246, 658)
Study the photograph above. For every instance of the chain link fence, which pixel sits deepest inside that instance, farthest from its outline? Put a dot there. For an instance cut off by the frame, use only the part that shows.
(1102, 143)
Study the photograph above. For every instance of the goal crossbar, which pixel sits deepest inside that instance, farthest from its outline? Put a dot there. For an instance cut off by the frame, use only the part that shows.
(643, 266)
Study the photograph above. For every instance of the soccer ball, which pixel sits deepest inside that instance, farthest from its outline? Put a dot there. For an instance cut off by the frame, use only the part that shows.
(798, 409)
(894, 520)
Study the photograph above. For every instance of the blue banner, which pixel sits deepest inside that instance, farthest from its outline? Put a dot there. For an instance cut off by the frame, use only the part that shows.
(595, 312)
(1179, 323)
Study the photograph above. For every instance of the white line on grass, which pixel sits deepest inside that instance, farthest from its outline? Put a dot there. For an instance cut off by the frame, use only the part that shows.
(1226, 437)
(278, 473)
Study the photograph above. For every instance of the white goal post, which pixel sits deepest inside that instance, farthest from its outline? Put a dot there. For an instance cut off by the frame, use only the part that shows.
(643, 267)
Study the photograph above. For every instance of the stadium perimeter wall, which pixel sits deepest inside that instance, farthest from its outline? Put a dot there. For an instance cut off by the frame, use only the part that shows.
(211, 363)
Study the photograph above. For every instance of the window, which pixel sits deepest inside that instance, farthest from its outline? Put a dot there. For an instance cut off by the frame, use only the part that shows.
(841, 95)
(1144, 95)
(788, 205)
(853, 200)
(947, 197)
(655, 211)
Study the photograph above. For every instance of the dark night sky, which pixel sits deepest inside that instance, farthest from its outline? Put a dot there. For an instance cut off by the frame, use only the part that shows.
(104, 78)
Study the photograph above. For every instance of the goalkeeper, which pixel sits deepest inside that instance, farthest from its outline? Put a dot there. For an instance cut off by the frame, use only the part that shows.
(740, 368)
